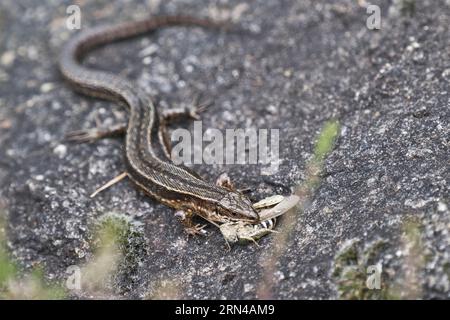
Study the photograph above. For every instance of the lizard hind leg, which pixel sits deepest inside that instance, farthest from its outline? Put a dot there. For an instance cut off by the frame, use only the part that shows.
(93, 134)
(225, 181)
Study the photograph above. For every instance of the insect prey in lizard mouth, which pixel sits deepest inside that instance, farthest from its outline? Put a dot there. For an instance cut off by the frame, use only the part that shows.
(243, 232)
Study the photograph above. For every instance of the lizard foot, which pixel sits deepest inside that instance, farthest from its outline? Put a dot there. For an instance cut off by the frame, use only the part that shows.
(196, 230)
(225, 181)
(189, 227)
(93, 134)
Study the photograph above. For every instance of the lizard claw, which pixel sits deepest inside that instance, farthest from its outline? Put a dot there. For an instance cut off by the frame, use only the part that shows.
(196, 230)
(193, 112)
(82, 136)
(196, 108)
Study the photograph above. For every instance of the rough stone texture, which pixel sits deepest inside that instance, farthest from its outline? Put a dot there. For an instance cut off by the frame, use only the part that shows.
(302, 63)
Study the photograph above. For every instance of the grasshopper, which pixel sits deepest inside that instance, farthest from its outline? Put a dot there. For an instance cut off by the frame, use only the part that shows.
(243, 232)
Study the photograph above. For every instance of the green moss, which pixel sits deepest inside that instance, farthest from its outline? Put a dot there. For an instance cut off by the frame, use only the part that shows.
(8, 269)
(350, 271)
(111, 229)
(348, 255)
(46, 290)
(446, 268)
(409, 282)
(372, 251)
(351, 284)
(118, 230)
(17, 285)
(408, 7)
(412, 230)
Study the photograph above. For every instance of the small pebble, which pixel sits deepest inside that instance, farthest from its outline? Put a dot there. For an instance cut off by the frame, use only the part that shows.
(248, 287)
(47, 87)
(60, 150)
(7, 58)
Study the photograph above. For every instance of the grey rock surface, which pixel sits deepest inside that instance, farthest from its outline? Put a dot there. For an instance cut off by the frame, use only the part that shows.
(300, 64)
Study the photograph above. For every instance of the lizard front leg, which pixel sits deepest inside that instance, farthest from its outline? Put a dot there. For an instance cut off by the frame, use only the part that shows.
(169, 116)
(186, 218)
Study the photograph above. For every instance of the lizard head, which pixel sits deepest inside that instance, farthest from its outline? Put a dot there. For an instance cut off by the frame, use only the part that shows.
(238, 206)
